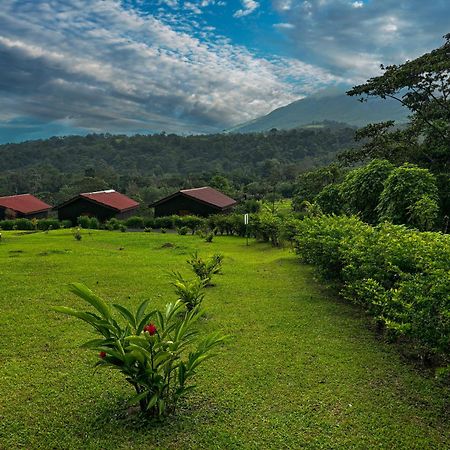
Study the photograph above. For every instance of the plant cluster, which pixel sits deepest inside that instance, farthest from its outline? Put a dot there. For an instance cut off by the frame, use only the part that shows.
(34, 224)
(158, 352)
(206, 268)
(189, 292)
(400, 276)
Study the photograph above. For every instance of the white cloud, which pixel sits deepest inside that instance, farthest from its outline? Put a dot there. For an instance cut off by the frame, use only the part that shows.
(248, 6)
(284, 25)
(352, 38)
(98, 65)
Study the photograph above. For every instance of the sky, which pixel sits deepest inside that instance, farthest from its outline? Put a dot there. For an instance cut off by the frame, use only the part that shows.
(192, 66)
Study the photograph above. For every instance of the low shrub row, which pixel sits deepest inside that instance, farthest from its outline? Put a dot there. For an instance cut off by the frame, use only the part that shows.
(400, 276)
(34, 224)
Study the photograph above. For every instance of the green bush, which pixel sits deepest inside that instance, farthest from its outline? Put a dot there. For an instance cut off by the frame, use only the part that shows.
(362, 188)
(400, 276)
(23, 224)
(45, 224)
(7, 225)
(206, 268)
(113, 224)
(157, 352)
(84, 222)
(94, 224)
(405, 186)
(135, 222)
(182, 231)
(189, 292)
(163, 222)
(329, 199)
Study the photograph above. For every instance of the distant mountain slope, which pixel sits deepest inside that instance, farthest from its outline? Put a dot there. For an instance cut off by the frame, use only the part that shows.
(326, 106)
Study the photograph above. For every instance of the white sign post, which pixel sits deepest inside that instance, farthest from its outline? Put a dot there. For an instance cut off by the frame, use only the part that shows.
(246, 225)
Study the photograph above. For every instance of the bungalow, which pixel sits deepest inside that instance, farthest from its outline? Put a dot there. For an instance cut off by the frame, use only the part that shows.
(101, 204)
(202, 201)
(23, 206)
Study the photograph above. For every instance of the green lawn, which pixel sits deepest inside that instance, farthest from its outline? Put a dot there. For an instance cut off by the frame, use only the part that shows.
(303, 368)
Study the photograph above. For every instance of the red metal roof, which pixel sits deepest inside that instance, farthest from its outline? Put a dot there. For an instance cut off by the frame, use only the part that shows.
(112, 199)
(211, 196)
(24, 203)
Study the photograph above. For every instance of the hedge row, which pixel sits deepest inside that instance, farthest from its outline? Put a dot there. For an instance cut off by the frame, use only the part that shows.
(34, 224)
(400, 276)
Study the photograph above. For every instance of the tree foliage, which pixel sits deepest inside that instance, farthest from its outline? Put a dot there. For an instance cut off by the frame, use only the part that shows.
(423, 86)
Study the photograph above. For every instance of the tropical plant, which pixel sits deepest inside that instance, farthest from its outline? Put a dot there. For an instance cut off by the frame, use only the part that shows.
(189, 292)
(157, 352)
(206, 268)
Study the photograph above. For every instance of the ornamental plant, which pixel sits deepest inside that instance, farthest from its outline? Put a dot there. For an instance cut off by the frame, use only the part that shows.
(206, 268)
(158, 352)
(189, 292)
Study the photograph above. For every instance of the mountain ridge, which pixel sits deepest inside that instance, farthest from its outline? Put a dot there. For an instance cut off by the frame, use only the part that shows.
(326, 107)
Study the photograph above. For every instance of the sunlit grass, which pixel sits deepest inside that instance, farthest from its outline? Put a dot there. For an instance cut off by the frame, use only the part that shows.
(302, 370)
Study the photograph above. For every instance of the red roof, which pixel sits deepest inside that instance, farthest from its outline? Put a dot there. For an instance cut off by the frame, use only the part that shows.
(24, 203)
(209, 195)
(112, 199)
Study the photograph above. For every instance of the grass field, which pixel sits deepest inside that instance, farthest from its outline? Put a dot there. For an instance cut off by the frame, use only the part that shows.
(303, 369)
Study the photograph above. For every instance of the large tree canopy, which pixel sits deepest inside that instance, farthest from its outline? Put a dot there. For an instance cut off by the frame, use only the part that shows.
(423, 86)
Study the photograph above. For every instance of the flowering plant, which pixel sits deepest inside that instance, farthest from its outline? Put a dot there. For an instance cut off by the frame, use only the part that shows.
(158, 352)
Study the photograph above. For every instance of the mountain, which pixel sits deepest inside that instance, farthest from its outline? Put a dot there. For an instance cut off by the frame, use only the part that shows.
(326, 106)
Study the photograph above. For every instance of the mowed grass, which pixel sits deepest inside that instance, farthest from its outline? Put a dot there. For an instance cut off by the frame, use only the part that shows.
(303, 369)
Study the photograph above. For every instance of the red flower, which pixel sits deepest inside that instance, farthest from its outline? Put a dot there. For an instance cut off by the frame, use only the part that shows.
(102, 355)
(150, 328)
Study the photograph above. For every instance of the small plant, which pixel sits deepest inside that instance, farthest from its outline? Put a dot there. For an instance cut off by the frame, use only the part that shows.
(163, 230)
(157, 352)
(122, 228)
(209, 237)
(205, 269)
(77, 234)
(183, 231)
(189, 292)
(148, 230)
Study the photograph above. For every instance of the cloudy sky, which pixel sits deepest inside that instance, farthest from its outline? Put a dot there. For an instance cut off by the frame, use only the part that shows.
(191, 66)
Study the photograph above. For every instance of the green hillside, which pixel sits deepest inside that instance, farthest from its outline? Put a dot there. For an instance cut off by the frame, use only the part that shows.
(327, 106)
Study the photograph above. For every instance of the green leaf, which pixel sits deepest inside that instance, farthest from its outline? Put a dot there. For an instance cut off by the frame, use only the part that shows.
(152, 401)
(86, 294)
(141, 310)
(95, 343)
(89, 318)
(126, 314)
(137, 398)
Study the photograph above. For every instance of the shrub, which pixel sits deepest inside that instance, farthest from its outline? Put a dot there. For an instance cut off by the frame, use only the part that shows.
(405, 186)
(400, 276)
(94, 224)
(84, 222)
(205, 269)
(77, 234)
(135, 222)
(113, 224)
(189, 292)
(163, 230)
(23, 224)
(163, 222)
(45, 224)
(7, 225)
(182, 231)
(150, 350)
(122, 228)
(209, 237)
(329, 199)
(362, 188)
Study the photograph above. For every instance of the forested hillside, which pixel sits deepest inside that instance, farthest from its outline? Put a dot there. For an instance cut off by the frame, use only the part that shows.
(143, 166)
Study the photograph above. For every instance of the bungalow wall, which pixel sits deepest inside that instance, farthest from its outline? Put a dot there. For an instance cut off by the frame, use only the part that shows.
(183, 206)
(19, 215)
(83, 207)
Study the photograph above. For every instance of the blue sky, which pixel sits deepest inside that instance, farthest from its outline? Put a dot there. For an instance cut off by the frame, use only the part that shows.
(191, 66)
